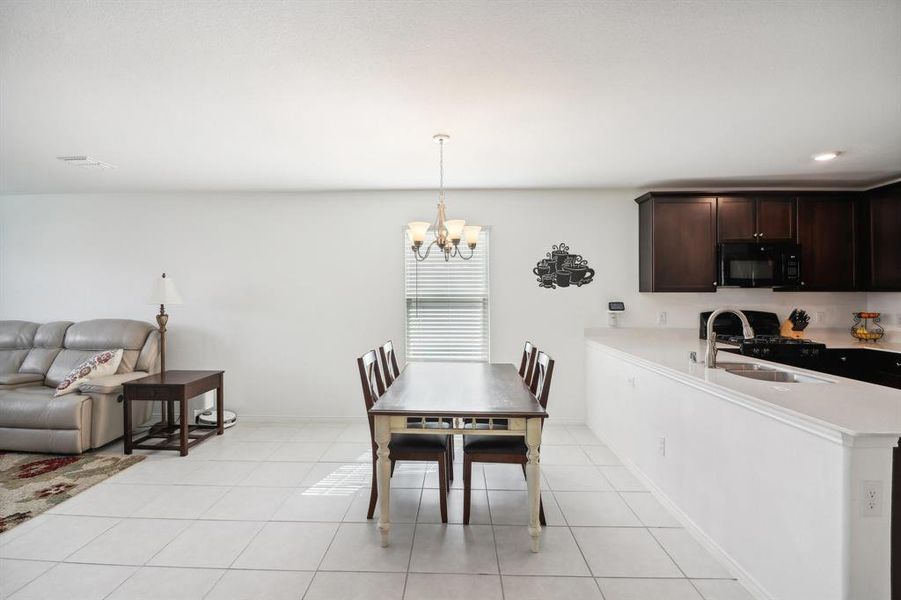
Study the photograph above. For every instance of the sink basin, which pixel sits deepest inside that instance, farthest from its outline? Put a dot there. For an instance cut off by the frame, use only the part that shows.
(742, 366)
(775, 375)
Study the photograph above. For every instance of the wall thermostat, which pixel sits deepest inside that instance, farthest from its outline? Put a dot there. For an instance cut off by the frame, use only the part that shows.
(613, 310)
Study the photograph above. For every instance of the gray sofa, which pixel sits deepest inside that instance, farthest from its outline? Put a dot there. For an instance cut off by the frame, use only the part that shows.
(34, 358)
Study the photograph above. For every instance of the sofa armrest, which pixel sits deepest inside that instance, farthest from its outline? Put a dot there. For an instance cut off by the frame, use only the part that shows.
(20, 378)
(111, 384)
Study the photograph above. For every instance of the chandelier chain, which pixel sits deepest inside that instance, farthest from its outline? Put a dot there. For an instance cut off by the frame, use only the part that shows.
(441, 169)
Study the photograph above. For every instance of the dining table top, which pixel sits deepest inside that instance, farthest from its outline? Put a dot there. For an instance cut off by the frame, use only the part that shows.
(454, 389)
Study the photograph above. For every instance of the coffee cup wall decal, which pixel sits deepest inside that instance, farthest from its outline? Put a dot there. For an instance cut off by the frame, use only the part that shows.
(560, 268)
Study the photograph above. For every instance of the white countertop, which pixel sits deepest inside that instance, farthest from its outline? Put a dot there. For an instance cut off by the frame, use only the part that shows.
(844, 405)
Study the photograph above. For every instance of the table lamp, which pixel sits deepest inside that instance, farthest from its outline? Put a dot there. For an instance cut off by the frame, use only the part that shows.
(164, 292)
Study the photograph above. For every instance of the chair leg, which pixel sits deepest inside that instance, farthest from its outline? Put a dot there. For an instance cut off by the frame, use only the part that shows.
(467, 483)
(392, 467)
(442, 486)
(374, 494)
(449, 456)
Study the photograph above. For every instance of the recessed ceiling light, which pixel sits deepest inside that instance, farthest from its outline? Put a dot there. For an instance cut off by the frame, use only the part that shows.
(81, 160)
(824, 156)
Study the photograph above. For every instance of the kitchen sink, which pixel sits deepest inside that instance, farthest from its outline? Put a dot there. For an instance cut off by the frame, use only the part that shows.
(763, 373)
(742, 366)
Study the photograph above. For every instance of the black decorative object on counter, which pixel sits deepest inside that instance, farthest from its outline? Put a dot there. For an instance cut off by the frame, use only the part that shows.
(562, 269)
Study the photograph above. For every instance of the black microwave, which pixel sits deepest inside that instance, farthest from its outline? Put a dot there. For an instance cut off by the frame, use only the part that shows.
(749, 265)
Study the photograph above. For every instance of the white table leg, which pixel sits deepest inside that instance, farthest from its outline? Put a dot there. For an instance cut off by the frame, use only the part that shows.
(533, 475)
(383, 471)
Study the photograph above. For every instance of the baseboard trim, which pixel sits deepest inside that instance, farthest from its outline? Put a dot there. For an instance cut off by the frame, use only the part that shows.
(752, 585)
(298, 419)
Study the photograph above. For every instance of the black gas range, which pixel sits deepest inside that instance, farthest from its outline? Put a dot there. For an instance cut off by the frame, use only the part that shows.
(778, 349)
(766, 344)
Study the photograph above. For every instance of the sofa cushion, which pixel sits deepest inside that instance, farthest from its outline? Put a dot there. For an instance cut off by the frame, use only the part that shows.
(20, 378)
(99, 365)
(48, 340)
(39, 360)
(11, 360)
(17, 334)
(35, 408)
(104, 334)
(51, 335)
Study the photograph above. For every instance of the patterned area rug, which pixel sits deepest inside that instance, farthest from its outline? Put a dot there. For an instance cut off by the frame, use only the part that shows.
(33, 483)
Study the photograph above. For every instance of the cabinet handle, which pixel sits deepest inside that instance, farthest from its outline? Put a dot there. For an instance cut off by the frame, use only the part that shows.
(715, 284)
(759, 235)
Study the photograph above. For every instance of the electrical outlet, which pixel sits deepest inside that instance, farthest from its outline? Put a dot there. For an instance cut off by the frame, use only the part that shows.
(661, 318)
(661, 447)
(819, 318)
(871, 499)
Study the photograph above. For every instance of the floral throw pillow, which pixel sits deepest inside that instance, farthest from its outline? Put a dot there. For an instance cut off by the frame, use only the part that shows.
(101, 364)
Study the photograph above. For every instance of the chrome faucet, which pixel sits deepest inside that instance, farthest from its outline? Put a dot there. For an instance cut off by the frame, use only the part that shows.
(746, 331)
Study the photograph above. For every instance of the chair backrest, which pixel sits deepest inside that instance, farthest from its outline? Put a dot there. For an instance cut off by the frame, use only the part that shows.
(527, 364)
(373, 388)
(541, 378)
(389, 362)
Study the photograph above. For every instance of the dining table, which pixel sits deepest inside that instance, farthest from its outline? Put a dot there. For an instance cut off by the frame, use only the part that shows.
(490, 396)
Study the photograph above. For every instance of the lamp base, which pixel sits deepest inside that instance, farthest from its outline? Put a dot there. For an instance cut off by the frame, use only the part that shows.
(208, 418)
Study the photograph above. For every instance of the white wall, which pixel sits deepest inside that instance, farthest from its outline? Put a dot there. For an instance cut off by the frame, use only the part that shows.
(283, 291)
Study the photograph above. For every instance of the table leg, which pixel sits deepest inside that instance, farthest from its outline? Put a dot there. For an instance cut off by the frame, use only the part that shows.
(183, 420)
(220, 407)
(171, 413)
(533, 476)
(383, 470)
(126, 438)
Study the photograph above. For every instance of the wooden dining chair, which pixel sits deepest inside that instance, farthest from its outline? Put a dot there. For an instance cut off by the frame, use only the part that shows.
(527, 364)
(389, 363)
(506, 449)
(412, 447)
(388, 358)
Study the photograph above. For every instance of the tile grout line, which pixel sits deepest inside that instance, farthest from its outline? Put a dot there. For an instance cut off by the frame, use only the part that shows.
(497, 557)
(413, 540)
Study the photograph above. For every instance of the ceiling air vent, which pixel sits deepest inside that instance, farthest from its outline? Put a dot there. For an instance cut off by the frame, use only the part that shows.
(85, 161)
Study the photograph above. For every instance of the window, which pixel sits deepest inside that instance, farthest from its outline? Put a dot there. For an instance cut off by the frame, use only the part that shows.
(447, 305)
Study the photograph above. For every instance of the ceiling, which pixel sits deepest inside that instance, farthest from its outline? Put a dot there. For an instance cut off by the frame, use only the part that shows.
(256, 95)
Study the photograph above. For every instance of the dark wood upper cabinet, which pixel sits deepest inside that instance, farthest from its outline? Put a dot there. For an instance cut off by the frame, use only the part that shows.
(736, 219)
(827, 232)
(776, 219)
(755, 219)
(677, 243)
(883, 252)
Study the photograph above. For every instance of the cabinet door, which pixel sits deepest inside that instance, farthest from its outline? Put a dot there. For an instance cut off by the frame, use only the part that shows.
(684, 244)
(736, 219)
(885, 240)
(776, 219)
(826, 228)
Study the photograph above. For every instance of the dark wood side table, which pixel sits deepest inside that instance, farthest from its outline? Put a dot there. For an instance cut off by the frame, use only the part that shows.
(172, 387)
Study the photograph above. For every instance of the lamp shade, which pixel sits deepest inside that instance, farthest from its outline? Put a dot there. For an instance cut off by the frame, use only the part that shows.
(455, 228)
(471, 233)
(417, 230)
(164, 292)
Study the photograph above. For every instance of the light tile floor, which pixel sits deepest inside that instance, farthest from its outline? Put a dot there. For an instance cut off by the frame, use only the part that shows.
(278, 511)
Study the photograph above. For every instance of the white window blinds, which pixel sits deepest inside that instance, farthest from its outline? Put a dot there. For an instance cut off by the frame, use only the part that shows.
(447, 305)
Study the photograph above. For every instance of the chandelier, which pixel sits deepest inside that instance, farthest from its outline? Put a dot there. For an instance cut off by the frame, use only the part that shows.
(447, 233)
